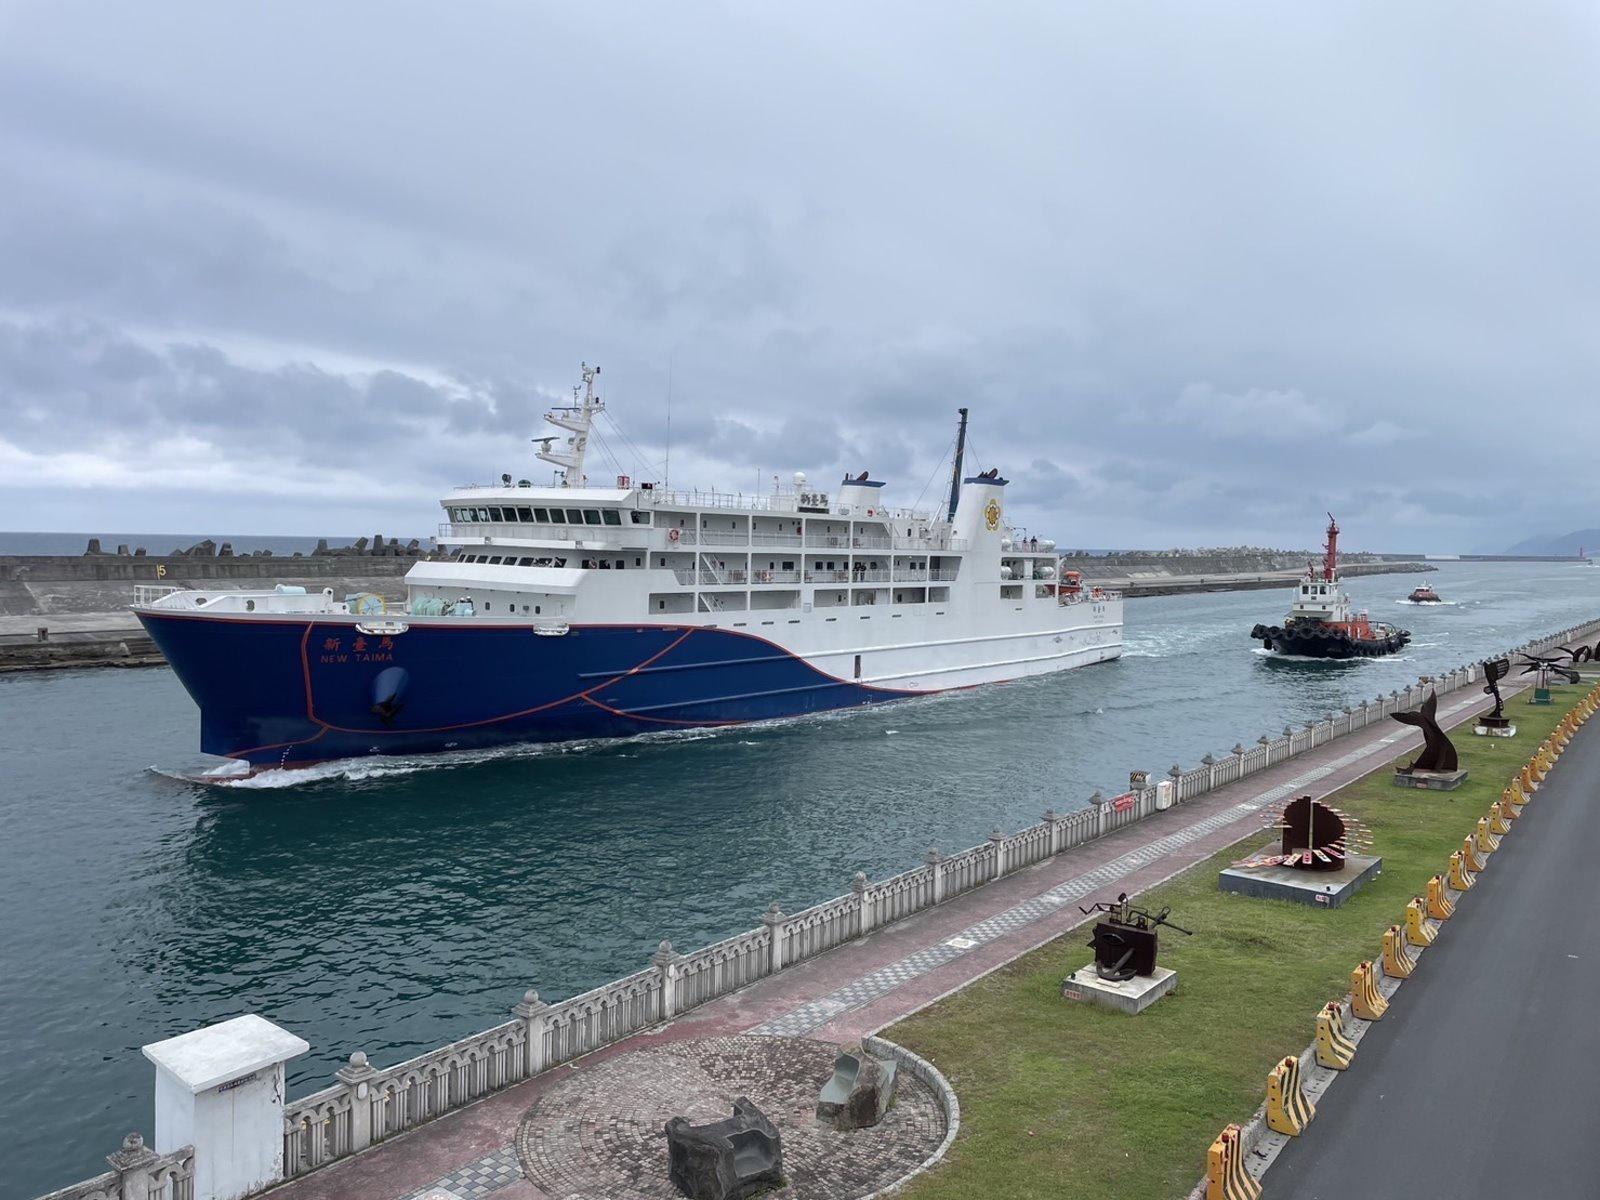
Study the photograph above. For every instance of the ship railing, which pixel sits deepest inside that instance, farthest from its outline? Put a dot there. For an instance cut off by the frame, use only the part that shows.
(771, 575)
(328, 1125)
(910, 575)
(149, 593)
(610, 535)
(764, 537)
(712, 537)
(1086, 595)
(692, 498)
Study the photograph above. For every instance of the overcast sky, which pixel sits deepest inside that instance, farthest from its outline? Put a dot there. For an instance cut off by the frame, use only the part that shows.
(1201, 271)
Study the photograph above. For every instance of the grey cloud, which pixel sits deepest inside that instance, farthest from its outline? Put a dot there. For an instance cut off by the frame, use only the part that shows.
(1198, 274)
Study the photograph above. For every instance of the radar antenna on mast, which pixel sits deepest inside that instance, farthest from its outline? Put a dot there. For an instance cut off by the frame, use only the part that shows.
(577, 418)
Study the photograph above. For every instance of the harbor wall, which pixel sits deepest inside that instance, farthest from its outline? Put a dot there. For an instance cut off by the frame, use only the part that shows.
(367, 1105)
(1152, 582)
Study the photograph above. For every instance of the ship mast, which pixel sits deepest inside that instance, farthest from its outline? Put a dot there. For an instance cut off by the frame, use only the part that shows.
(1330, 553)
(576, 418)
(955, 473)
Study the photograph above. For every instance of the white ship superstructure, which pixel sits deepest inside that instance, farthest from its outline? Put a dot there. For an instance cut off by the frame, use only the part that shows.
(894, 597)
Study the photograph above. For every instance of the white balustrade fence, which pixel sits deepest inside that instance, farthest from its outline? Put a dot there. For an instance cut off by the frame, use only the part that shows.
(367, 1104)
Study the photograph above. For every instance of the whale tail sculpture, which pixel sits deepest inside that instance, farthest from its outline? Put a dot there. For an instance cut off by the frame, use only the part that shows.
(1437, 752)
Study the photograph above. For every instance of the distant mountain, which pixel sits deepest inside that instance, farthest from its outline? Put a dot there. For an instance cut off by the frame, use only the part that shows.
(1587, 540)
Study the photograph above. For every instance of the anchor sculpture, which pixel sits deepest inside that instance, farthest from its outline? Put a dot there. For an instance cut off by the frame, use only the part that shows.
(1438, 754)
(1316, 837)
(1124, 943)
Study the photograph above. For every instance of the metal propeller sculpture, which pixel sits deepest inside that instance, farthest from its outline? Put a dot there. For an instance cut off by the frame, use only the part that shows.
(1545, 665)
(1316, 837)
(1438, 754)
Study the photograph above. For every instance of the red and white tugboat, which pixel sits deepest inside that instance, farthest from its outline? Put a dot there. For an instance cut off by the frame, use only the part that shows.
(1423, 594)
(1320, 623)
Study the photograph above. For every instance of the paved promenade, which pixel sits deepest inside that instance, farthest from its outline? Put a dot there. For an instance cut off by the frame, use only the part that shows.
(1480, 1080)
(872, 982)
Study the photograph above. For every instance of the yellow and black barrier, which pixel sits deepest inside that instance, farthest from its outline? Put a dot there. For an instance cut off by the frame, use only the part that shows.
(1499, 823)
(1334, 1050)
(1418, 931)
(1460, 878)
(1226, 1177)
(1513, 794)
(1366, 1001)
(1440, 906)
(1397, 960)
(1289, 1109)
(1470, 857)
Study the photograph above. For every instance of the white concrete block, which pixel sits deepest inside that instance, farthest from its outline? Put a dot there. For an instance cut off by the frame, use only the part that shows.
(220, 1089)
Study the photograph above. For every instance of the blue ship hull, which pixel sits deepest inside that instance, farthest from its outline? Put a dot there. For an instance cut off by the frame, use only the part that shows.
(293, 691)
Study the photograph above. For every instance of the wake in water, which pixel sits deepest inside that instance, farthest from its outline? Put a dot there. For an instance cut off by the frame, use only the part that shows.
(234, 775)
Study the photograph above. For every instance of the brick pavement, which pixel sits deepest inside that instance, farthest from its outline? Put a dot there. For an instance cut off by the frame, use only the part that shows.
(871, 982)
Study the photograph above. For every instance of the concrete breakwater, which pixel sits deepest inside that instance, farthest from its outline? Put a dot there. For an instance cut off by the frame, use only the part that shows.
(370, 1104)
(72, 611)
(1159, 583)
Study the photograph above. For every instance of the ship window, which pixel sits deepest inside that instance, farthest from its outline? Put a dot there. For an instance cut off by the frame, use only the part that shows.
(487, 606)
(611, 516)
(496, 561)
(524, 514)
(574, 516)
(524, 562)
(483, 514)
(661, 604)
(591, 516)
(494, 514)
(542, 515)
(639, 562)
(640, 518)
(536, 610)
(524, 608)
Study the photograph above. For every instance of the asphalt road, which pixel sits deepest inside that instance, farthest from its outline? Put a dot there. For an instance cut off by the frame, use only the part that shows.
(1483, 1080)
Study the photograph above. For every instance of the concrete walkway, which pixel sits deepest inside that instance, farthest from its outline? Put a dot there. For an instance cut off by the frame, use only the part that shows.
(1480, 1080)
(872, 982)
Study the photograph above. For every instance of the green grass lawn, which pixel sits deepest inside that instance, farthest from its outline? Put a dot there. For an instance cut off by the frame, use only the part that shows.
(1059, 1098)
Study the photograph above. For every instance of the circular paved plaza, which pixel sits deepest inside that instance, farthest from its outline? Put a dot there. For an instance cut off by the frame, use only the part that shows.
(599, 1133)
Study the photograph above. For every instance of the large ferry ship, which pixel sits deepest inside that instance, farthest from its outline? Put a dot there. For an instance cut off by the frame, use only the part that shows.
(573, 611)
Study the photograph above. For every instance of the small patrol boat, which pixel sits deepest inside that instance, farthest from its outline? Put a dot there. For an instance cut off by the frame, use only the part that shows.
(1320, 623)
(1423, 594)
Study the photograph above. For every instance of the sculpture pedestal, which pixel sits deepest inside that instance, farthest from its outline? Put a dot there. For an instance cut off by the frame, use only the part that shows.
(1495, 727)
(1322, 889)
(1434, 781)
(1131, 996)
(1541, 695)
